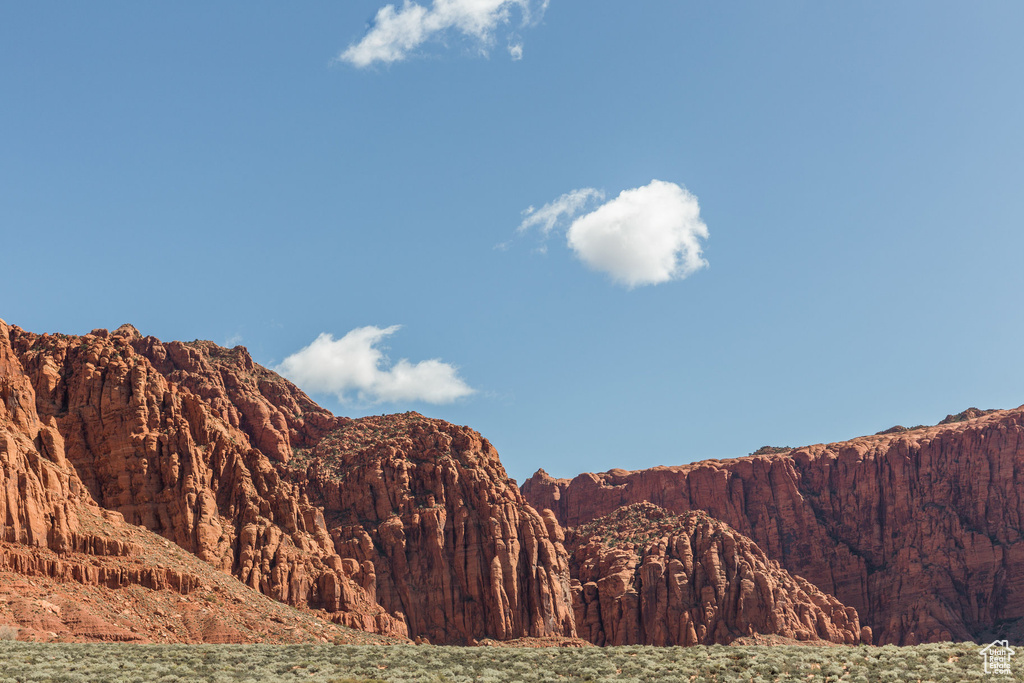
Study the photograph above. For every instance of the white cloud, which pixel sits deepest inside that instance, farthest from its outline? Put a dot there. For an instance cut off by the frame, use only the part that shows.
(645, 236)
(394, 33)
(355, 370)
(566, 206)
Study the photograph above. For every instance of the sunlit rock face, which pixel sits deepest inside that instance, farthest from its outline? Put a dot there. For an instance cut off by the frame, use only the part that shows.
(176, 456)
(455, 546)
(424, 534)
(917, 529)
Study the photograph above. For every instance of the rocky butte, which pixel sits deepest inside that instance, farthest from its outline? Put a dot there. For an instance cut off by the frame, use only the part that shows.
(180, 492)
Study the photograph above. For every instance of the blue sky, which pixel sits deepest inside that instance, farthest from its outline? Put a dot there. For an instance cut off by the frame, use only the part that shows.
(219, 172)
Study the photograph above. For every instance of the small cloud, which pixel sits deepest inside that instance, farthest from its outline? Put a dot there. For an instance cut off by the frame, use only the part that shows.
(233, 340)
(394, 33)
(357, 371)
(548, 216)
(645, 236)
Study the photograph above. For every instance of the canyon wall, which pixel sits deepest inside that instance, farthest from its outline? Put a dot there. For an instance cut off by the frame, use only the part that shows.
(919, 530)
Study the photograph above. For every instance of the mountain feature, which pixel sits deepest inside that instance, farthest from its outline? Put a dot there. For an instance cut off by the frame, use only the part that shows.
(158, 491)
(918, 529)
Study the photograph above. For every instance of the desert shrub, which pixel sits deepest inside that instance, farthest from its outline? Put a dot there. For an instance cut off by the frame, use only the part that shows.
(8, 632)
(71, 663)
(771, 450)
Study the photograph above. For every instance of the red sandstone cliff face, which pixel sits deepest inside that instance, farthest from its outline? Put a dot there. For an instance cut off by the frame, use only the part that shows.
(71, 570)
(274, 413)
(454, 545)
(197, 443)
(43, 502)
(38, 488)
(919, 530)
(645, 576)
(182, 466)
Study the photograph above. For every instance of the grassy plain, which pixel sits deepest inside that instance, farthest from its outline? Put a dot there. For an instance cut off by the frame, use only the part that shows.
(81, 663)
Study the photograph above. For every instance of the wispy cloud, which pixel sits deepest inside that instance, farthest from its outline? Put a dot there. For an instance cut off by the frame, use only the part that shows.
(356, 370)
(644, 236)
(551, 214)
(394, 33)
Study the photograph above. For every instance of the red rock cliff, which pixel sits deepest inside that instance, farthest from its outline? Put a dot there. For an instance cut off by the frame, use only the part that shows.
(182, 464)
(455, 546)
(919, 530)
(199, 444)
(38, 488)
(57, 546)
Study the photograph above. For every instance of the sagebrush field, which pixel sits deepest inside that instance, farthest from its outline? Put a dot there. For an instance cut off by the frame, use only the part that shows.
(79, 663)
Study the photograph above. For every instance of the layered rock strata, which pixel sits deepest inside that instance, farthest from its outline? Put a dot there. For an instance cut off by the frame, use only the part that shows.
(39, 490)
(405, 525)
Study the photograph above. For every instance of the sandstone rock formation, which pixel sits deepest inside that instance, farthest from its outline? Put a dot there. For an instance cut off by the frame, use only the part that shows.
(71, 570)
(407, 526)
(428, 506)
(275, 414)
(236, 465)
(134, 442)
(38, 489)
(645, 576)
(919, 530)
(132, 585)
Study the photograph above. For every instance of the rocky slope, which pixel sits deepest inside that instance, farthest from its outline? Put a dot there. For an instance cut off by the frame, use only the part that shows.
(130, 585)
(645, 576)
(919, 530)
